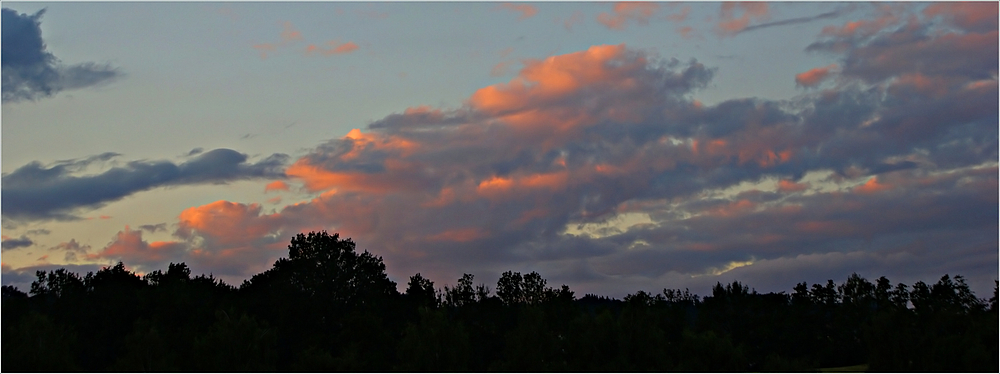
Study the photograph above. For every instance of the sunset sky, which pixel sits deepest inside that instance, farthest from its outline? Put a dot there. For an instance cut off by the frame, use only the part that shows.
(612, 147)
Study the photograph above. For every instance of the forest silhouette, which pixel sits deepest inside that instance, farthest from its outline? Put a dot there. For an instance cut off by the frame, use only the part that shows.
(328, 308)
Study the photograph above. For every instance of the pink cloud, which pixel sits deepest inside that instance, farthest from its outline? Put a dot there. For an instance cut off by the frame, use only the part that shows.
(333, 48)
(640, 12)
(680, 16)
(574, 19)
(889, 15)
(458, 235)
(128, 246)
(527, 11)
(687, 32)
(730, 24)
(288, 35)
(785, 185)
(813, 77)
(973, 16)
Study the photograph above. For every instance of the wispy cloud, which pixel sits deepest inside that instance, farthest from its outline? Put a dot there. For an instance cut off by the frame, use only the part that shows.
(333, 47)
(288, 36)
(526, 10)
(730, 24)
(639, 12)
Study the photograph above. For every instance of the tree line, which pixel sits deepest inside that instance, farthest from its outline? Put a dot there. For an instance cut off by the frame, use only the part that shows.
(327, 307)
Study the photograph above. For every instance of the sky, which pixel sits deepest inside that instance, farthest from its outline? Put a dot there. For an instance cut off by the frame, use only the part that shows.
(611, 147)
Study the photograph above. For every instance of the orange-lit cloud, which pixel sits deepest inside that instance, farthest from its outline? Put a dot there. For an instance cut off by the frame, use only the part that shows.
(640, 12)
(276, 186)
(872, 186)
(527, 11)
(553, 78)
(495, 186)
(225, 222)
(814, 76)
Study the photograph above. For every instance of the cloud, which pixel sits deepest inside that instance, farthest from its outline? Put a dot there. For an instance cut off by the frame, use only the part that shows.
(686, 32)
(600, 170)
(971, 16)
(30, 72)
(15, 243)
(289, 35)
(624, 11)
(814, 76)
(785, 185)
(730, 25)
(129, 247)
(72, 250)
(276, 186)
(680, 16)
(71, 245)
(608, 132)
(37, 192)
(527, 11)
(333, 48)
(574, 19)
(798, 20)
(233, 239)
(898, 42)
(154, 228)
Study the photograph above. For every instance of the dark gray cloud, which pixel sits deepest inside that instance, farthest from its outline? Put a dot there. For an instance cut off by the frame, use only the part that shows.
(14, 243)
(154, 228)
(793, 21)
(30, 72)
(36, 192)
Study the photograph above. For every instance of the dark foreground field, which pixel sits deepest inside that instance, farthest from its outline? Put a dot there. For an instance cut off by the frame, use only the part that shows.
(328, 308)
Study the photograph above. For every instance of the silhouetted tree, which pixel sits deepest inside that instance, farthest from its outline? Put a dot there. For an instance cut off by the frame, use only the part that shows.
(420, 291)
